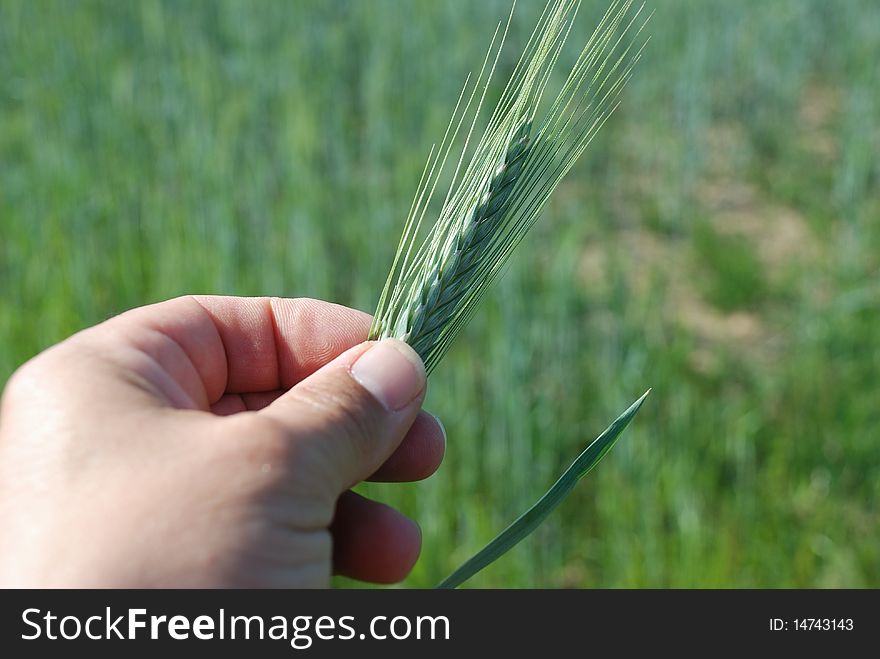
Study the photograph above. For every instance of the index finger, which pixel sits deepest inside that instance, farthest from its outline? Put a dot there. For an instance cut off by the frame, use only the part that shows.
(273, 343)
(243, 345)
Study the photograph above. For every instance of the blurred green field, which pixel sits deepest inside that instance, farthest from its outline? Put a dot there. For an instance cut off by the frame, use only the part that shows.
(719, 242)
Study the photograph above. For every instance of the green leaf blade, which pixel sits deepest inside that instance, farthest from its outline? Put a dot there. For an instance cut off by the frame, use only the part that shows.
(526, 523)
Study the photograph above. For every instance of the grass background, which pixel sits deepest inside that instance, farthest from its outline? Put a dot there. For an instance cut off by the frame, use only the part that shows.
(719, 242)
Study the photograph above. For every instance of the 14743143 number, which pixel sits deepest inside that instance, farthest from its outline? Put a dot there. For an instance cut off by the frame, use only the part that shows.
(822, 624)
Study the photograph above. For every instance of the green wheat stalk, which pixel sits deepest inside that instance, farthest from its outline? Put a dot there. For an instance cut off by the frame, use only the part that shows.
(434, 288)
(528, 146)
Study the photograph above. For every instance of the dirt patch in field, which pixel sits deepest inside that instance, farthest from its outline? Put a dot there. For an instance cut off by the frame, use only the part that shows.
(650, 261)
(735, 328)
(780, 234)
(668, 262)
(734, 205)
(819, 107)
(727, 147)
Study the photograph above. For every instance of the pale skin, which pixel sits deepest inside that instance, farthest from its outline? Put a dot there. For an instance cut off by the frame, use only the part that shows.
(212, 442)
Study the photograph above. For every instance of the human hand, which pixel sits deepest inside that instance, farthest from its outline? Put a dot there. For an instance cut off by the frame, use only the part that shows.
(212, 441)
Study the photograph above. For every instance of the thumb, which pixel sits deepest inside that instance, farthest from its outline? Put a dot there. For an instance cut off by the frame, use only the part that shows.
(354, 412)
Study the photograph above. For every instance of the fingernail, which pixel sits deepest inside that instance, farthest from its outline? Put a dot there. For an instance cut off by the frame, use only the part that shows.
(392, 372)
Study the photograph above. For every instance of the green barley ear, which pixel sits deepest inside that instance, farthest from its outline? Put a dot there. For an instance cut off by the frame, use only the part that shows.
(491, 203)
